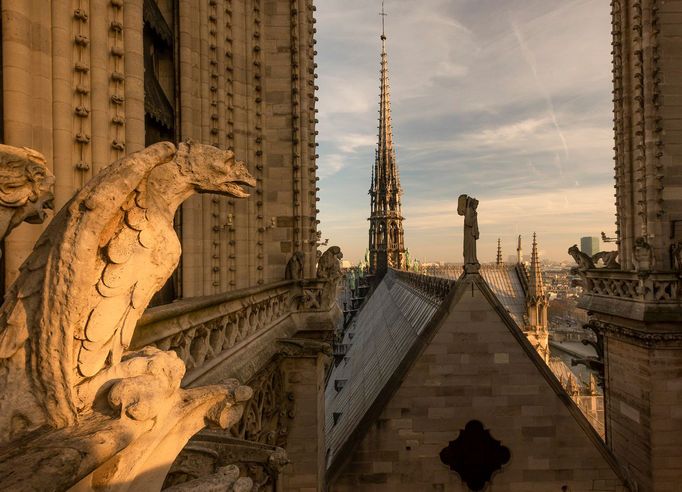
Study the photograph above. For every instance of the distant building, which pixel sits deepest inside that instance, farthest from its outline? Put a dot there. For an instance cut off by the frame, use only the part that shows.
(589, 245)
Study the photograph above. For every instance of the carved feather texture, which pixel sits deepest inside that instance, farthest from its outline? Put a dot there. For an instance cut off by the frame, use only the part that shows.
(80, 293)
(115, 311)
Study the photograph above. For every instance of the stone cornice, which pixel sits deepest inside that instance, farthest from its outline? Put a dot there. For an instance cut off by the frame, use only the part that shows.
(648, 338)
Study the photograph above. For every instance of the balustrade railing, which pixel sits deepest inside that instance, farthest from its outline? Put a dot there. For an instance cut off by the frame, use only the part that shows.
(435, 288)
(200, 329)
(649, 287)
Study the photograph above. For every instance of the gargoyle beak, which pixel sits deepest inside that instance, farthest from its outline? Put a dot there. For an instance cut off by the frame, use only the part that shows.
(241, 177)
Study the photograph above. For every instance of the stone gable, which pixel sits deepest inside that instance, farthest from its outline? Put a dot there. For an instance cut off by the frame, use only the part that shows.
(474, 366)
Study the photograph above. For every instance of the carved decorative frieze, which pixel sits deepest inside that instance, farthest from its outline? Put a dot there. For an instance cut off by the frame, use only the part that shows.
(647, 338)
(267, 414)
(654, 287)
(239, 319)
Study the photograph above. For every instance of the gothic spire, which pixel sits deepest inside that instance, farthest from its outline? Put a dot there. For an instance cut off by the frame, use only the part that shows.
(386, 175)
(386, 242)
(536, 287)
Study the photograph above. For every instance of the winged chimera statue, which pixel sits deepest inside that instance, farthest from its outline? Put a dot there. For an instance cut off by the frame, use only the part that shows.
(70, 314)
(25, 187)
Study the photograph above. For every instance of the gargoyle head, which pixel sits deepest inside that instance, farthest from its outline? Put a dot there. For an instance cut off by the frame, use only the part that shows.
(25, 185)
(574, 252)
(213, 170)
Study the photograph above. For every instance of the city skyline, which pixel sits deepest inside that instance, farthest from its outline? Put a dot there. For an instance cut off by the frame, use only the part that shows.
(496, 103)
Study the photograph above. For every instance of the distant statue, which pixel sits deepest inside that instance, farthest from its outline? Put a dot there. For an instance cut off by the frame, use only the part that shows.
(583, 260)
(294, 269)
(25, 187)
(329, 265)
(676, 256)
(71, 313)
(466, 206)
(644, 255)
(608, 258)
(329, 268)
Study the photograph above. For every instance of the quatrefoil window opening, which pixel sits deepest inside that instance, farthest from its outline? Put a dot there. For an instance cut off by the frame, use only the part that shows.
(475, 455)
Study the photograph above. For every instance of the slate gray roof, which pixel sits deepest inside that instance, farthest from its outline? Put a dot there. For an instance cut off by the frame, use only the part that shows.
(505, 283)
(379, 339)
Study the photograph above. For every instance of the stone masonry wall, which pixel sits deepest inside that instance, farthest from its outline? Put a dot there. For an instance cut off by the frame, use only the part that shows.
(644, 420)
(73, 88)
(304, 382)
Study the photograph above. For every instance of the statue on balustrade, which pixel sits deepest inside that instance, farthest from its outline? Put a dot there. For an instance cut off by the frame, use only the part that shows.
(100, 413)
(466, 207)
(295, 266)
(644, 255)
(329, 269)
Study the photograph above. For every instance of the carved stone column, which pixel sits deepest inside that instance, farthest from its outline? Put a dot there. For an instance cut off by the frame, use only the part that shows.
(303, 368)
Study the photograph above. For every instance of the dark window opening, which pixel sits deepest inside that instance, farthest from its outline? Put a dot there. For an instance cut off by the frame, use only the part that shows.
(475, 455)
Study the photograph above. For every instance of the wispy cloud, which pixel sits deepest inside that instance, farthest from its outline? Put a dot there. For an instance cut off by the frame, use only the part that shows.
(507, 105)
(532, 64)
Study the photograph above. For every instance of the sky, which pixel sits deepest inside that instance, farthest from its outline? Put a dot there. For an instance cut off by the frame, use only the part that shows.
(508, 101)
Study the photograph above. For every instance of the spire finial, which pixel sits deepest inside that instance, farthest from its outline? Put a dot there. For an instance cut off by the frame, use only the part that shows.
(519, 252)
(499, 252)
(536, 287)
(383, 15)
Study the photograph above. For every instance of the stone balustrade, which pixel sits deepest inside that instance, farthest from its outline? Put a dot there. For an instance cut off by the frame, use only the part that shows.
(199, 329)
(640, 295)
(651, 287)
(436, 288)
(204, 331)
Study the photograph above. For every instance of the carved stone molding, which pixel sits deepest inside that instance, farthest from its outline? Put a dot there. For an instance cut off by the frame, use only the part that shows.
(267, 414)
(647, 338)
(210, 451)
(255, 444)
(233, 322)
(303, 347)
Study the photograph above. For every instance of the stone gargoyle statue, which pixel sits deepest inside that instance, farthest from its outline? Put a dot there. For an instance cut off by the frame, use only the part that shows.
(584, 262)
(68, 319)
(329, 269)
(25, 187)
(609, 259)
(295, 266)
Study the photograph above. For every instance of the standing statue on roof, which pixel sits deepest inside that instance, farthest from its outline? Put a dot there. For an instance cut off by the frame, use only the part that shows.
(466, 206)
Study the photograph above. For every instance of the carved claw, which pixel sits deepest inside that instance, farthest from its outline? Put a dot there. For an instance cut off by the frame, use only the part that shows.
(141, 396)
(229, 411)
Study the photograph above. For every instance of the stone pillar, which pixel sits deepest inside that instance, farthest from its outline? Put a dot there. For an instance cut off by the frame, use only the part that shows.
(637, 309)
(304, 376)
(27, 94)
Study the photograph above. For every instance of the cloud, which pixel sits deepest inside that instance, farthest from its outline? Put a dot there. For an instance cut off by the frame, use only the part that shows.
(505, 103)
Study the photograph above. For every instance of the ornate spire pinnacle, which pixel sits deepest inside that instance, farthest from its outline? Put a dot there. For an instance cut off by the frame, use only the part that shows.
(519, 252)
(386, 242)
(498, 261)
(536, 287)
(385, 169)
(383, 15)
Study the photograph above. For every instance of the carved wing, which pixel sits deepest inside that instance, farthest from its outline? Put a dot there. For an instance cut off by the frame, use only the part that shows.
(77, 274)
(122, 290)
